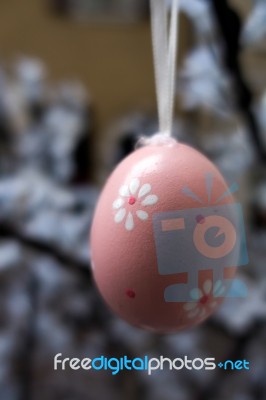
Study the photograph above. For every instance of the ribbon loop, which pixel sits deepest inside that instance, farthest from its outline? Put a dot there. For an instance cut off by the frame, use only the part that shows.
(164, 39)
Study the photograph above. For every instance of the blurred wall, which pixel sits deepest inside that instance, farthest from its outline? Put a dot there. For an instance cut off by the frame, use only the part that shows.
(113, 61)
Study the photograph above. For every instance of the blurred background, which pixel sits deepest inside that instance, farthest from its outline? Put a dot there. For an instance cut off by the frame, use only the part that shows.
(76, 92)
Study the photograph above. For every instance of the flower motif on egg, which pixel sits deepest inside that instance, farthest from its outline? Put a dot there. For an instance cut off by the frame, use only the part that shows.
(203, 301)
(133, 195)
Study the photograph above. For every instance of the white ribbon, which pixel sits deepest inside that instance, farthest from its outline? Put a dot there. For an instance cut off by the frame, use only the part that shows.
(164, 39)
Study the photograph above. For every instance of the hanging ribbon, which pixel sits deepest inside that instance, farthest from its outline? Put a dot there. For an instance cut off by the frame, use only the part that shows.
(164, 39)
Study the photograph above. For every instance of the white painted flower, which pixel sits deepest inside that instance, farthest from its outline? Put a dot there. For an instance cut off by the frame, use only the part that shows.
(204, 300)
(133, 198)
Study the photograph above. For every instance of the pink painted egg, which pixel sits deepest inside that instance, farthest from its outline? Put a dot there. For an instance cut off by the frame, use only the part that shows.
(164, 240)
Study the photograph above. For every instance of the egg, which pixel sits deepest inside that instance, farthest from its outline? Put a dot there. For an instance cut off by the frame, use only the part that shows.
(164, 241)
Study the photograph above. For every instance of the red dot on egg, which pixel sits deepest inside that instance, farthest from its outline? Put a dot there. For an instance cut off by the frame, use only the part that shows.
(130, 293)
(200, 219)
(131, 200)
(204, 299)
